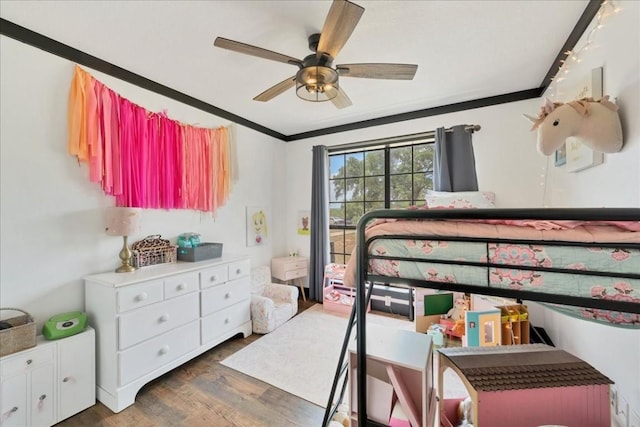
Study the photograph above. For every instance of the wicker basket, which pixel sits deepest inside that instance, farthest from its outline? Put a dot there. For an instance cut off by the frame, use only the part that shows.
(152, 250)
(149, 257)
(20, 336)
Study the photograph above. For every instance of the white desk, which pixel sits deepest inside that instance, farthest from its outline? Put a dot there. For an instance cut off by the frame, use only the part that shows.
(291, 268)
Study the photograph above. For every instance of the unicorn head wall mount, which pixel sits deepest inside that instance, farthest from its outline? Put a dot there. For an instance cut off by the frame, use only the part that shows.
(594, 123)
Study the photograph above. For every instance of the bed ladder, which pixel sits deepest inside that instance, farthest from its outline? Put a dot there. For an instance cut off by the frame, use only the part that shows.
(342, 371)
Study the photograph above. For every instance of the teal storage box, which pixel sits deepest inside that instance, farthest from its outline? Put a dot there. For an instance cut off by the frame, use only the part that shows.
(64, 325)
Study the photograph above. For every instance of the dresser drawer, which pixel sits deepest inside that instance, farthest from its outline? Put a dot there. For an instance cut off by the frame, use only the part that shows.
(140, 295)
(180, 285)
(296, 264)
(144, 358)
(26, 360)
(225, 320)
(288, 268)
(294, 274)
(154, 320)
(239, 269)
(221, 296)
(213, 276)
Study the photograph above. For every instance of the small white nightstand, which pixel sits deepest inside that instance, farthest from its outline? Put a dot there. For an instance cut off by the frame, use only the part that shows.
(290, 268)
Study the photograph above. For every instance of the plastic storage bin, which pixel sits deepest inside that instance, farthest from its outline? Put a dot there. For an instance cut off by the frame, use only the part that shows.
(201, 252)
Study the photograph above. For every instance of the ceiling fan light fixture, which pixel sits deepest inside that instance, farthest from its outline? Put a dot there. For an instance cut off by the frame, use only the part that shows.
(317, 83)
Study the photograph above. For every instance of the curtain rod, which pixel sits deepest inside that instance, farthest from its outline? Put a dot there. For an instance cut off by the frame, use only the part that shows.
(395, 139)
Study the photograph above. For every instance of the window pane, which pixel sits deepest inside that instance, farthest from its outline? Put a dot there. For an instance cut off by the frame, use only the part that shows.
(354, 189)
(374, 163)
(423, 157)
(374, 188)
(429, 176)
(349, 241)
(370, 206)
(400, 205)
(421, 183)
(336, 237)
(336, 213)
(400, 159)
(337, 190)
(400, 187)
(355, 164)
(354, 212)
(336, 166)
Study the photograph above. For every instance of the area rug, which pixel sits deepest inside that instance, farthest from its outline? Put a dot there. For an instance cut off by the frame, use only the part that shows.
(301, 356)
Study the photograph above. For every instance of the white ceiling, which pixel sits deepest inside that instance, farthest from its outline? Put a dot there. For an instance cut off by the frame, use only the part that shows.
(465, 50)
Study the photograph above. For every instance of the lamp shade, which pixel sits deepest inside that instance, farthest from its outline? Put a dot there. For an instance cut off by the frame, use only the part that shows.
(123, 221)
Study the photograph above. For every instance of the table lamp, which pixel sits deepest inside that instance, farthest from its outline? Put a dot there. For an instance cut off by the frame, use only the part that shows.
(123, 222)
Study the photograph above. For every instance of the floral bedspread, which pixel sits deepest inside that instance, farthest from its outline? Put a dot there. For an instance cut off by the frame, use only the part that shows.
(502, 271)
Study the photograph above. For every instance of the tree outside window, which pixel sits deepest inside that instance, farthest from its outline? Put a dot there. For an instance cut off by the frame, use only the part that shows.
(378, 178)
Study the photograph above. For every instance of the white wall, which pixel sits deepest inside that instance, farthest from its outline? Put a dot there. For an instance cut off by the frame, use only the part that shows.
(508, 164)
(53, 218)
(616, 48)
(615, 183)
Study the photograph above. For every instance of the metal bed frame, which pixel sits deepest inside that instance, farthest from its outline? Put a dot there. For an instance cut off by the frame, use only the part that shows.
(363, 275)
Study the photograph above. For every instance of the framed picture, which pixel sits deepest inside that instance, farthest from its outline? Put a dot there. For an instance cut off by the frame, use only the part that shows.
(304, 223)
(561, 155)
(578, 155)
(257, 226)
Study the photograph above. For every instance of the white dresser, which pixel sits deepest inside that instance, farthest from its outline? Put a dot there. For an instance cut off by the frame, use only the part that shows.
(48, 383)
(156, 318)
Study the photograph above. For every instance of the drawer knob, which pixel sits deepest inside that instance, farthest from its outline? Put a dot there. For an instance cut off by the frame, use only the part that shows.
(29, 362)
(41, 402)
(226, 320)
(238, 271)
(227, 295)
(141, 296)
(181, 287)
(67, 379)
(163, 350)
(214, 278)
(163, 318)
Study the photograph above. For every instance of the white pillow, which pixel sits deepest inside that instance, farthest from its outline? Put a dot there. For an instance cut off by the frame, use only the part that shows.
(461, 199)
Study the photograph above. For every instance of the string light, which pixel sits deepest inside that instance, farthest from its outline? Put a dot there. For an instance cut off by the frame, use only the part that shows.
(574, 56)
(607, 8)
(543, 182)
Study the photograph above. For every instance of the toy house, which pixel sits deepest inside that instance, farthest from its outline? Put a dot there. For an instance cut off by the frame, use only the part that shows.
(526, 385)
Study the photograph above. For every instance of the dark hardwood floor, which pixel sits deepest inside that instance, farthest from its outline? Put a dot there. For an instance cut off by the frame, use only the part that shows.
(202, 392)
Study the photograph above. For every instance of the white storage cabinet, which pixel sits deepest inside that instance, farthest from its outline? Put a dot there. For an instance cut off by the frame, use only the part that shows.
(157, 318)
(48, 383)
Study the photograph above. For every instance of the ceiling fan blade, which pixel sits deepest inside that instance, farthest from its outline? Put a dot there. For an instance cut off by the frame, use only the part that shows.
(255, 51)
(378, 71)
(341, 20)
(341, 100)
(276, 90)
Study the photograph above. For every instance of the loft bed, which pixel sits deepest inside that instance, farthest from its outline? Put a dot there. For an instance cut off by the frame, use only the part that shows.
(583, 262)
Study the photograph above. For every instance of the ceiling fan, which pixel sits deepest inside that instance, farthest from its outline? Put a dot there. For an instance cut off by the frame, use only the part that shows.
(317, 79)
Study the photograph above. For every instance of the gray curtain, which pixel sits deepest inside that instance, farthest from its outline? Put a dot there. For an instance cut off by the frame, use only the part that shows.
(454, 164)
(319, 221)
